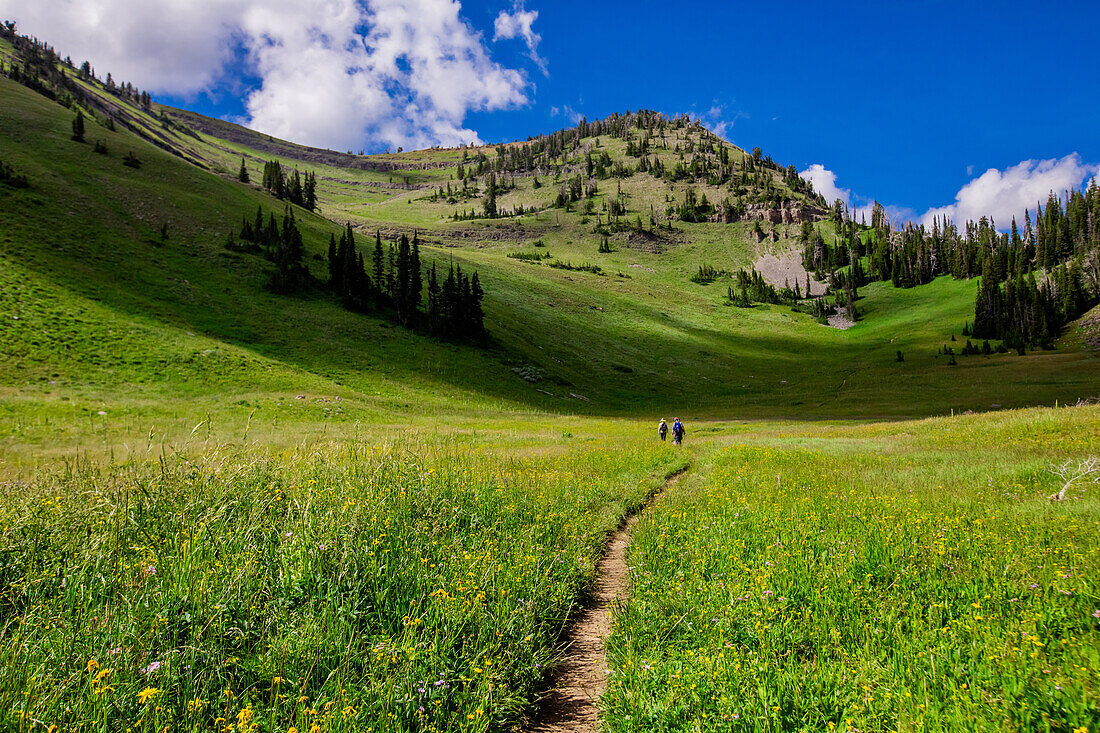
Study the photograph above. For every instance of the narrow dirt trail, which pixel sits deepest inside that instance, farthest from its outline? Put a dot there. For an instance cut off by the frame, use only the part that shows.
(570, 705)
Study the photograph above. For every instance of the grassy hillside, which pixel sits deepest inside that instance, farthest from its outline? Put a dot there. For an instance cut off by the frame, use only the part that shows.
(639, 338)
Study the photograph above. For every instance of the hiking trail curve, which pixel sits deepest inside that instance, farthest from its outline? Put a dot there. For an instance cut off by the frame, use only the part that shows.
(570, 704)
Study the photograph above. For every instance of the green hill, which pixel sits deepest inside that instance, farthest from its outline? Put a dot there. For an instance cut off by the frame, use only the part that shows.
(116, 273)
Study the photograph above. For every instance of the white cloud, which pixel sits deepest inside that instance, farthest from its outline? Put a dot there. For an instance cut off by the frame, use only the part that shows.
(571, 114)
(336, 73)
(161, 46)
(860, 207)
(824, 182)
(715, 120)
(517, 24)
(1002, 195)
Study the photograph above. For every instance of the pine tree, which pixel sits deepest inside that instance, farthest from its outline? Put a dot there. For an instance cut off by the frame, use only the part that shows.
(294, 188)
(242, 175)
(333, 263)
(416, 278)
(78, 126)
(490, 203)
(403, 295)
(476, 315)
(258, 226)
(309, 192)
(377, 262)
(391, 272)
(433, 301)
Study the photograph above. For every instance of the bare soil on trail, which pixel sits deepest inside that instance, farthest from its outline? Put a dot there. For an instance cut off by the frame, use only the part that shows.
(571, 703)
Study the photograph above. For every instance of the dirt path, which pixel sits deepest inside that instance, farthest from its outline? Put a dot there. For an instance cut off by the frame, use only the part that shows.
(570, 705)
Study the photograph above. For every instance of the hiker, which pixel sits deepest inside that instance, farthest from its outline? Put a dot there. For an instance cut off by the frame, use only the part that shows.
(662, 429)
(678, 432)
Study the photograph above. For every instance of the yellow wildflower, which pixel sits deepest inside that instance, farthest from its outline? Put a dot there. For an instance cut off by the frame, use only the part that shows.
(147, 693)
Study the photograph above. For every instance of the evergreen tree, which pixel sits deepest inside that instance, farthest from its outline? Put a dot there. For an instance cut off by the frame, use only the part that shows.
(78, 126)
(490, 203)
(416, 277)
(434, 301)
(377, 262)
(403, 285)
(293, 189)
(391, 273)
(258, 226)
(476, 315)
(333, 263)
(242, 175)
(309, 192)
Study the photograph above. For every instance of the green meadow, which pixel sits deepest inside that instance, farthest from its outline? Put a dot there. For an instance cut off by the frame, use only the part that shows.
(910, 576)
(226, 509)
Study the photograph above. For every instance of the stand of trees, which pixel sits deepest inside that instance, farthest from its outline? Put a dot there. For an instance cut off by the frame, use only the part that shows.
(1034, 280)
(281, 245)
(295, 188)
(395, 281)
(389, 278)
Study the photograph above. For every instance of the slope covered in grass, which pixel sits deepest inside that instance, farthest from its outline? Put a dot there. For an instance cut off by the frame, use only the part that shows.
(628, 335)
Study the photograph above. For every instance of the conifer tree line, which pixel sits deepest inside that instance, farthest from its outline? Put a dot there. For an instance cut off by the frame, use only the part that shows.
(1034, 279)
(40, 68)
(295, 188)
(393, 279)
(390, 277)
(278, 243)
(753, 288)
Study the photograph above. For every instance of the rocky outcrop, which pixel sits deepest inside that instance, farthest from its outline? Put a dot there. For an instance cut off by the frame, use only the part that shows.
(789, 212)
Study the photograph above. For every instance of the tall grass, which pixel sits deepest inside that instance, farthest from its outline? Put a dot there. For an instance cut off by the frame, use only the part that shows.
(867, 585)
(343, 587)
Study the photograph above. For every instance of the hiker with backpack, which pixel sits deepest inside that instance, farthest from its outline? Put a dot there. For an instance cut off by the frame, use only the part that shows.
(678, 432)
(662, 429)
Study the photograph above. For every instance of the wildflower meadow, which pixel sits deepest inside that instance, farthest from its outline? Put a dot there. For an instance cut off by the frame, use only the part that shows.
(879, 578)
(332, 588)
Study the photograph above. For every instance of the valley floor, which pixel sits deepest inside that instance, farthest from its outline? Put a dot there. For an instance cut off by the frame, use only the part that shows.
(329, 577)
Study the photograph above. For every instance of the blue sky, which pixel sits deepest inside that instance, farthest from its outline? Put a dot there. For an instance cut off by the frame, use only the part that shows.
(909, 103)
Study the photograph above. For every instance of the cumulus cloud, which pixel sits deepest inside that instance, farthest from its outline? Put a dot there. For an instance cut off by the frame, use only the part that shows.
(1000, 195)
(717, 121)
(163, 46)
(518, 24)
(1004, 194)
(824, 182)
(571, 114)
(335, 73)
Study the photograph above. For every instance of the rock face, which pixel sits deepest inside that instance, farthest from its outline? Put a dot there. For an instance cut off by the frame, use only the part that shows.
(790, 212)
